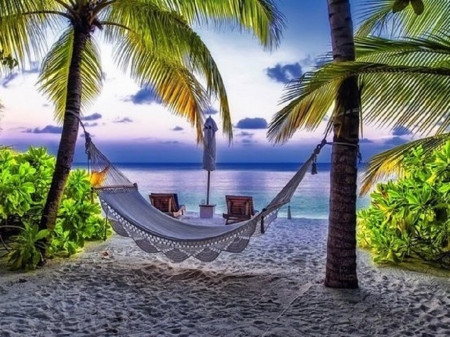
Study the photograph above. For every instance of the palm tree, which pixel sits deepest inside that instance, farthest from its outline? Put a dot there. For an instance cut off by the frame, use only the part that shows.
(403, 82)
(153, 42)
(304, 111)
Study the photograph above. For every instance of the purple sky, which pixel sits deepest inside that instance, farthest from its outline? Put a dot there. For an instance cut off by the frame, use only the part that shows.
(129, 125)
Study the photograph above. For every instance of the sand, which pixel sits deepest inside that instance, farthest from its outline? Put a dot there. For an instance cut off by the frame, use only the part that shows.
(274, 288)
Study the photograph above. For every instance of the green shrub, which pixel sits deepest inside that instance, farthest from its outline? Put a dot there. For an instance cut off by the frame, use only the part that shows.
(24, 184)
(409, 217)
(27, 247)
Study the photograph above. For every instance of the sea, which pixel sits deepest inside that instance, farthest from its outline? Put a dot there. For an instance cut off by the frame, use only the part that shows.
(262, 181)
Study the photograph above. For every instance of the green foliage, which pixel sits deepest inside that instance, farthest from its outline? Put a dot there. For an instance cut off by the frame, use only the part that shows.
(78, 217)
(410, 217)
(27, 245)
(24, 183)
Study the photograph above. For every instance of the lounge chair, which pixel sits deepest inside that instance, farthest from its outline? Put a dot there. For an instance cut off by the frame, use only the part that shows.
(239, 208)
(167, 203)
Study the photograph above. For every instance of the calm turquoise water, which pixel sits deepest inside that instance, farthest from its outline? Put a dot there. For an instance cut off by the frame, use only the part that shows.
(261, 181)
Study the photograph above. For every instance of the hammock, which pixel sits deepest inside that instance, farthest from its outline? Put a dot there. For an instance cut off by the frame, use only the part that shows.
(131, 215)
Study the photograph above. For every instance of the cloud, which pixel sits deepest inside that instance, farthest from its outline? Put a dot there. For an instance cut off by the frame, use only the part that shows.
(170, 142)
(284, 73)
(34, 69)
(8, 79)
(210, 111)
(177, 128)
(308, 61)
(90, 124)
(365, 141)
(401, 131)
(47, 129)
(246, 138)
(252, 123)
(245, 134)
(248, 142)
(95, 116)
(394, 141)
(145, 95)
(123, 120)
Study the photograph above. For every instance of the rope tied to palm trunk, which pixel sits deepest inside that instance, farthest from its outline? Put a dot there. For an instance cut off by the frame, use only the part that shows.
(325, 142)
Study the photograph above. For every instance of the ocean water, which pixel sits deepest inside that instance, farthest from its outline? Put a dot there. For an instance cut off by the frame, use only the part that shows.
(261, 181)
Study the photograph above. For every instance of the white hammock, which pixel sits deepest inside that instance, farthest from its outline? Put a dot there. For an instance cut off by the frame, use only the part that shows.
(133, 216)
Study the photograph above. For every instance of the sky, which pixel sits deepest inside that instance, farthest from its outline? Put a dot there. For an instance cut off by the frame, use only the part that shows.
(128, 125)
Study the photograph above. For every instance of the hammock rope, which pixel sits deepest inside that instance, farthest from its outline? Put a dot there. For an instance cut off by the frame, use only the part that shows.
(131, 215)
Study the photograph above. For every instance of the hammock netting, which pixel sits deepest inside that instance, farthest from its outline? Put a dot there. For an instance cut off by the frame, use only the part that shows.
(131, 215)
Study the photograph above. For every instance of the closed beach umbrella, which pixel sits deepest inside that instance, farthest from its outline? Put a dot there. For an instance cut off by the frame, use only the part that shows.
(209, 150)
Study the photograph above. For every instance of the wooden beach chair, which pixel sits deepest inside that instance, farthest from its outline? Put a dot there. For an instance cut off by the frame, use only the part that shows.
(167, 203)
(239, 208)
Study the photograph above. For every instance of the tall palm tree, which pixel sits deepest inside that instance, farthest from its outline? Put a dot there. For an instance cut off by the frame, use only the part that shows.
(403, 82)
(305, 111)
(154, 43)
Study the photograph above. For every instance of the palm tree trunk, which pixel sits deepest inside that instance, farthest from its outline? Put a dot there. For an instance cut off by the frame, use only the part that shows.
(69, 135)
(341, 245)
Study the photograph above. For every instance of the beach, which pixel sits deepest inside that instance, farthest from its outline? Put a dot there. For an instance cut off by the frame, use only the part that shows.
(273, 288)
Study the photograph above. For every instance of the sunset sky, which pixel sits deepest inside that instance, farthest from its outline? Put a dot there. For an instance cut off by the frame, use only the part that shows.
(129, 126)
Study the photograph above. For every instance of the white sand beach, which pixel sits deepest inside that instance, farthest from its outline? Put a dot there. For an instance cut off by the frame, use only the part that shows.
(274, 288)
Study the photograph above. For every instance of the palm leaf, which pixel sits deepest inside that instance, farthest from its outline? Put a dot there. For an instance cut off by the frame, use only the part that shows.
(385, 90)
(21, 36)
(390, 162)
(378, 18)
(53, 77)
(177, 87)
(142, 33)
(308, 104)
(260, 17)
(432, 50)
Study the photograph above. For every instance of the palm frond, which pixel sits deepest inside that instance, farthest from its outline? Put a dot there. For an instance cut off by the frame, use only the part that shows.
(260, 17)
(390, 162)
(391, 96)
(402, 96)
(175, 85)
(432, 50)
(308, 102)
(152, 31)
(377, 18)
(24, 27)
(53, 77)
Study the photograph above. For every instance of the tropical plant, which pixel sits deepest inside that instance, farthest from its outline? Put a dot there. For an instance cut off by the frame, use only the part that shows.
(410, 217)
(27, 246)
(302, 111)
(24, 181)
(153, 42)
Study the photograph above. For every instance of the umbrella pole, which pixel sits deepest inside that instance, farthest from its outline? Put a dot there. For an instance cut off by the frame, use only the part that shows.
(207, 188)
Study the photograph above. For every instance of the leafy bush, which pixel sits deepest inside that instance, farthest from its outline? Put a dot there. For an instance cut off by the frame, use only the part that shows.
(27, 251)
(410, 217)
(24, 184)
